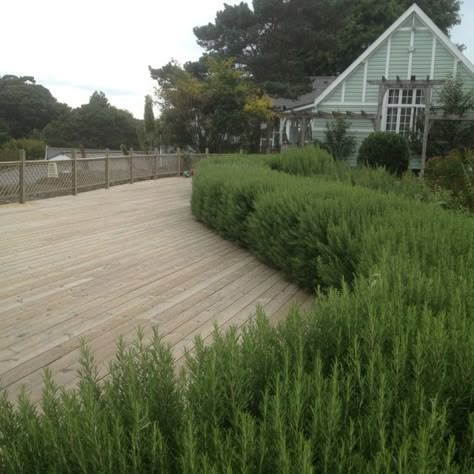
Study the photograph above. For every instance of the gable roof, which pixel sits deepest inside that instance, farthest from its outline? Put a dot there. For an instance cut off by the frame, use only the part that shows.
(414, 9)
(319, 85)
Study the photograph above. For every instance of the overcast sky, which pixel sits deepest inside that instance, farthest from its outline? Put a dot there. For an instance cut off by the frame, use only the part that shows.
(77, 47)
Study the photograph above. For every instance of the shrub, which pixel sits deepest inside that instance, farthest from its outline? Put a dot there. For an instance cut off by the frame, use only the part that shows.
(337, 140)
(454, 173)
(34, 149)
(388, 150)
(376, 378)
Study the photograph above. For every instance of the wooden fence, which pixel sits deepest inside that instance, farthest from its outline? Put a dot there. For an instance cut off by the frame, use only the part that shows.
(25, 180)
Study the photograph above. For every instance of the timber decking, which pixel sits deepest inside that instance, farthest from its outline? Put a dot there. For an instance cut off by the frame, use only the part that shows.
(98, 265)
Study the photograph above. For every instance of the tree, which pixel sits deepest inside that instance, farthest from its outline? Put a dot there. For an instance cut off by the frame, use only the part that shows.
(447, 135)
(25, 106)
(147, 131)
(220, 109)
(281, 43)
(338, 141)
(96, 125)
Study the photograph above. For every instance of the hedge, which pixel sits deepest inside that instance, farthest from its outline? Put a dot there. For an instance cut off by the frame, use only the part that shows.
(376, 378)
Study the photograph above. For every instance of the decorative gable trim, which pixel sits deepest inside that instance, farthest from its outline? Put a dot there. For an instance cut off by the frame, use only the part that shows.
(414, 9)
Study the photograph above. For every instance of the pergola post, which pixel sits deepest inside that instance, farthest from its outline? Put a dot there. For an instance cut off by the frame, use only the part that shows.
(303, 131)
(426, 130)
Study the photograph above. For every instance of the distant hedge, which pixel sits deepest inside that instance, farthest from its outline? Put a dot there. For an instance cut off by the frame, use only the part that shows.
(378, 377)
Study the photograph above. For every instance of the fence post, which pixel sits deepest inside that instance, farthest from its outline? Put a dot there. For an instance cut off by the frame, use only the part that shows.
(22, 177)
(155, 163)
(131, 165)
(207, 152)
(179, 161)
(107, 169)
(74, 173)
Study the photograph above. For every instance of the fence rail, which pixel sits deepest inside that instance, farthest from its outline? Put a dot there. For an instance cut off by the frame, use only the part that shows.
(25, 180)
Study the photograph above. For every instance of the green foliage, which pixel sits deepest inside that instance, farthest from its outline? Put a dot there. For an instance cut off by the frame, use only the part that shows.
(34, 149)
(147, 132)
(282, 43)
(219, 110)
(317, 162)
(455, 173)
(388, 150)
(95, 125)
(377, 377)
(454, 99)
(339, 143)
(25, 106)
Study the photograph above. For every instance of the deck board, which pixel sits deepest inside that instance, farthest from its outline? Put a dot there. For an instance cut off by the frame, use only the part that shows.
(98, 265)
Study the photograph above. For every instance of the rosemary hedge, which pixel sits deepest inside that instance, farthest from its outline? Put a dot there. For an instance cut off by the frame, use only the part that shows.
(378, 377)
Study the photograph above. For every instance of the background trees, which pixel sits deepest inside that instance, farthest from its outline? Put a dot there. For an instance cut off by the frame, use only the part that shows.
(281, 43)
(25, 107)
(31, 117)
(211, 104)
(95, 125)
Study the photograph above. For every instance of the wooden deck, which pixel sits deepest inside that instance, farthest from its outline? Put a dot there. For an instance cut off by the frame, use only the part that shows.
(98, 265)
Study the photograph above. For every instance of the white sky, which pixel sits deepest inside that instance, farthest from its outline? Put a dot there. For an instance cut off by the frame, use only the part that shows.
(76, 47)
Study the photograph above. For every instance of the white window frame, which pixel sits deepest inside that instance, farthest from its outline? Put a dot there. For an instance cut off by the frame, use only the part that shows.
(399, 105)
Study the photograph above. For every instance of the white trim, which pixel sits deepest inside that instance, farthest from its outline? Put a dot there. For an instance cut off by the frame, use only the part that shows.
(433, 58)
(351, 104)
(387, 60)
(455, 66)
(411, 49)
(343, 93)
(425, 19)
(364, 84)
(356, 130)
(417, 28)
(333, 104)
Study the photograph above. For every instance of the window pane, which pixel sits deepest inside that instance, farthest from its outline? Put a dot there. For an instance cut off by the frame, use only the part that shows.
(407, 96)
(391, 125)
(420, 96)
(405, 121)
(393, 95)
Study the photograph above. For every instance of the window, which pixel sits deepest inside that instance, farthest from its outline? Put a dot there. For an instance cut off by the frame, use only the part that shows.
(402, 110)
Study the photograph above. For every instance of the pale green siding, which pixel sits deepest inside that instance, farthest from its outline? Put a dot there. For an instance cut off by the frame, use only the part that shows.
(376, 69)
(354, 86)
(336, 95)
(421, 66)
(418, 22)
(444, 62)
(399, 55)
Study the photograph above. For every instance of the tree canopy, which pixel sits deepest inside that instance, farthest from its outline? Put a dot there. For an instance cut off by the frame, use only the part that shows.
(281, 43)
(214, 106)
(25, 107)
(95, 125)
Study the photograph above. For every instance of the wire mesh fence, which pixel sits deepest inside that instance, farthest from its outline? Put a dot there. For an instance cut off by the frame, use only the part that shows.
(23, 180)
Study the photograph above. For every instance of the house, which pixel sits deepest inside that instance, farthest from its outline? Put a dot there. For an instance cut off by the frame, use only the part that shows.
(273, 138)
(392, 83)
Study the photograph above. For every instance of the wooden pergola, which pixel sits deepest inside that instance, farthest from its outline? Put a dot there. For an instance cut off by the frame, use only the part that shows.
(413, 83)
(384, 85)
(303, 117)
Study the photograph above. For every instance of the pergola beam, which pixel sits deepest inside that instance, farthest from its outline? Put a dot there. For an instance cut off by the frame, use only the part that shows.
(406, 84)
